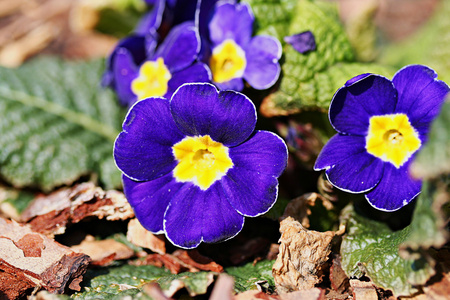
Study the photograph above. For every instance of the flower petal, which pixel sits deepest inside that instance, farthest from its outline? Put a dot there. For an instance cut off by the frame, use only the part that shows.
(180, 48)
(250, 192)
(151, 21)
(124, 71)
(357, 101)
(302, 42)
(235, 84)
(227, 117)
(420, 95)
(359, 173)
(198, 72)
(231, 21)
(143, 150)
(195, 216)
(264, 152)
(339, 148)
(395, 190)
(150, 199)
(262, 56)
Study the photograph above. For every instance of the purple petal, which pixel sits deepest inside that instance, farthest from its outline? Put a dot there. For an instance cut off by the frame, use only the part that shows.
(180, 48)
(263, 69)
(359, 173)
(125, 71)
(204, 13)
(143, 150)
(348, 165)
(151, 21)
(250, 192)
(264, 152)
(231, 21)
(420, 95)
(395, 190)
(354, 104)
(150, 199)
(136, 46)
(302, 42)
(236, 84)
(339, 148)
(227, 117)
(198, 72)
(195, 216)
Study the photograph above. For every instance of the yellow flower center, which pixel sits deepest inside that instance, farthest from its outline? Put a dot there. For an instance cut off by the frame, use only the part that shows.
(201, 161)
(227, 61)
(392, 138)
(152, 80)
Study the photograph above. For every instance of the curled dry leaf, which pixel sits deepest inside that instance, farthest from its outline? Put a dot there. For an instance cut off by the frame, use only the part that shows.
(51, 214)
(363, 290)
(302, 258)
(141, 237)
(29, 259)
(298, 208)
(103, 252)
(339, 280)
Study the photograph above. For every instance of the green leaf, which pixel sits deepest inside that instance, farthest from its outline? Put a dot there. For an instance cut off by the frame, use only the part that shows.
(434, 157)
(247, 275)
(117, 282)
(58, 124)
(427, 227)
(272, 17)
(371, 248)
(195, 283)
(429, 46)
(309, 80)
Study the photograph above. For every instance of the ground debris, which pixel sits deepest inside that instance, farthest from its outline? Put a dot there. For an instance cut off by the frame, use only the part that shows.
(302, 258)
(139, 236)
(51, 214)
(29, 259)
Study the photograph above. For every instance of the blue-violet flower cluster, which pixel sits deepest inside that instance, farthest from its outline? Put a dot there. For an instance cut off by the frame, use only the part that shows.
(194, 166)
(381, 125)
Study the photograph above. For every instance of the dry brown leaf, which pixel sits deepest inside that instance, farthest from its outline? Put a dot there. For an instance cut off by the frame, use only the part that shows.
(141, 237)
(178, 284)
(51, 214)
(298, 208)
(339, 280)
(302, 258)
(194, 259)
(311, 294)
(363, 290)
(255, 295)
(103, 252)
(29, 259)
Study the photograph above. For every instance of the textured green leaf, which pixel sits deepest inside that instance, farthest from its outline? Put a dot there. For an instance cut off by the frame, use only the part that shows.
(58, 124)
(430, 46)
(195, 283)
(434, 157)
(296, 94)
(272, 17)
(309, 80)
(371, 248)
(427, 227)
(118, 282)
(247, 275)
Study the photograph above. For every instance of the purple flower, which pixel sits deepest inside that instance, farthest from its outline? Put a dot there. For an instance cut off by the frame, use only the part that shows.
(381, 125)
(164, 69)
(233, 54)
(302, 42)
(194, 166)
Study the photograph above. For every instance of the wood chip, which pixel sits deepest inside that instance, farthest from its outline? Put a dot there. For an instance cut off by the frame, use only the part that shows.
(29, 259)
(103, 252)
(363, 290)
(302, 258)
(339, 280)
(141, 237)
(51, 214)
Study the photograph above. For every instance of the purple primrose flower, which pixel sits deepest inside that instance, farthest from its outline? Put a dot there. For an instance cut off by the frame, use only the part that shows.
(381, 125)
(173, 63)
(233, 54)
(194, 166)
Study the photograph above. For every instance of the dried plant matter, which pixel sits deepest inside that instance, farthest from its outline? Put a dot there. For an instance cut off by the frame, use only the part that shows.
(53, 213)
(29, 259)
(303, 255)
